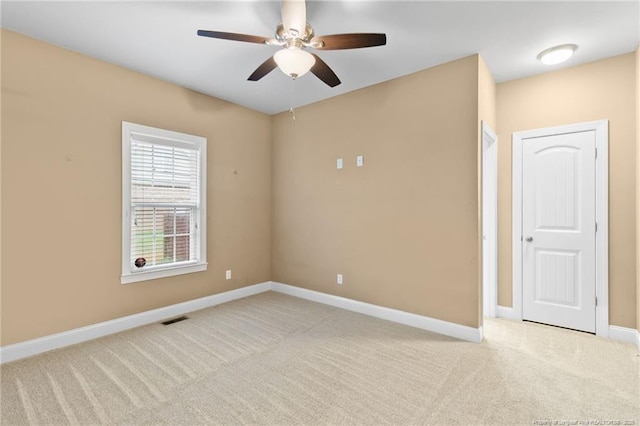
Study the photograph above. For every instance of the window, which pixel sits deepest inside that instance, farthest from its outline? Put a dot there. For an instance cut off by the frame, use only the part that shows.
(163, 203)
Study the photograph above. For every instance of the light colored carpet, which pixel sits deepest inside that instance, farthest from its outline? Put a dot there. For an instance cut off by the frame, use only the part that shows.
(275, 359)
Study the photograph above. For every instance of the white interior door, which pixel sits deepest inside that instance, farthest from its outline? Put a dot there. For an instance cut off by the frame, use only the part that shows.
(559, 230)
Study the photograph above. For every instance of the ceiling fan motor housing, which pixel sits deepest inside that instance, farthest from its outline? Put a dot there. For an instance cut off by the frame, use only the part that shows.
(291, 38)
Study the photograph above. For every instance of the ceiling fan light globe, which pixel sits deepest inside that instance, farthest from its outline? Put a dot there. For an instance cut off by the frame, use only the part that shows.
(294, 62)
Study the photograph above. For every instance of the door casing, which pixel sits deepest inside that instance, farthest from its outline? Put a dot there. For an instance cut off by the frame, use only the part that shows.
(601, 129)
(489, 221)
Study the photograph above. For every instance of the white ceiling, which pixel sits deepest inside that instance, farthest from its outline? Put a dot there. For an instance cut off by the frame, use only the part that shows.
(158, 38)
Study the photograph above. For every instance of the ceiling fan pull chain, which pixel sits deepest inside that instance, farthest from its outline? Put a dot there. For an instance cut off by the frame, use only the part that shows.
(291, 110)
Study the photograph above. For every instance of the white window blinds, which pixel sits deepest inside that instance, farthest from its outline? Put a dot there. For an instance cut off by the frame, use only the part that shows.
(165, 203)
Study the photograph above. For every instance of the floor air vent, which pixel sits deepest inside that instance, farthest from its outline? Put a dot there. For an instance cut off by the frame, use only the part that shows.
(172, 321)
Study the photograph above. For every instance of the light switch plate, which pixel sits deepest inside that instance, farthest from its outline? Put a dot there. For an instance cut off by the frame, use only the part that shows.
(339, 163)
(359, 161)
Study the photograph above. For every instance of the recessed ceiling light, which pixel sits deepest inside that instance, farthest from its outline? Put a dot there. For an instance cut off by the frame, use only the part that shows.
(557, 54)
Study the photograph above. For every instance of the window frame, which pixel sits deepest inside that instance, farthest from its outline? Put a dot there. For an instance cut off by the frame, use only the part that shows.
(166, 138)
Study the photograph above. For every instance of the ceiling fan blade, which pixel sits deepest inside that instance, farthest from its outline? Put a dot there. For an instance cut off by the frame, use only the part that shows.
(234, 36)
(350, 41)
(321, 70)
(294, 15)
(264, 69)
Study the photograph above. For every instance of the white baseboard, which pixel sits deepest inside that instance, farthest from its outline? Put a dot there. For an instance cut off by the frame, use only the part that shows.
(624, 334)
(90, 332)
(426, 323)
(59, 340)
(55, 341)
(507, 312)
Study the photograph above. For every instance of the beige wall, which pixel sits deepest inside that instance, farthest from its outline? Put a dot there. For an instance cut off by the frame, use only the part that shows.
(1, 191)
(599, 90)
(638, 189)
(61, 189)
(403, 229)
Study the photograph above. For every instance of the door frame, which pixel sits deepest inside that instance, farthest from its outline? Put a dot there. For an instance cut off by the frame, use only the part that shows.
(489, 221)
(601, 128)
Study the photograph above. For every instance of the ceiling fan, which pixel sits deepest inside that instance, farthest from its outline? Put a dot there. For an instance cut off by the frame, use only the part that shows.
(294, 35)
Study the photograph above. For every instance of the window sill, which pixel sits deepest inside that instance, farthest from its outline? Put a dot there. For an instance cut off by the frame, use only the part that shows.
(162, 273)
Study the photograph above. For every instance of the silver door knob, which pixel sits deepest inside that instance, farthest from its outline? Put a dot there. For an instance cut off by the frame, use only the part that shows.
(529, 239)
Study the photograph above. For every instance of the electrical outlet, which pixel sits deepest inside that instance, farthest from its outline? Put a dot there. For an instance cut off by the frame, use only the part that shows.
(339, 279)
(228, 274)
